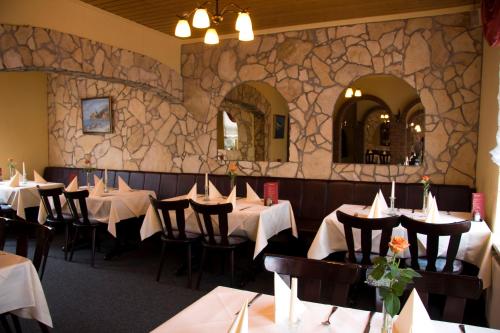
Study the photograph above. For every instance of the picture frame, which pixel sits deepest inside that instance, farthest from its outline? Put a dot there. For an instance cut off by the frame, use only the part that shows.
(97, 117)
(279, 126)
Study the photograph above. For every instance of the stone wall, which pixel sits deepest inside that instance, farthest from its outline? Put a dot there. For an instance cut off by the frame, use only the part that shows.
(439, 56)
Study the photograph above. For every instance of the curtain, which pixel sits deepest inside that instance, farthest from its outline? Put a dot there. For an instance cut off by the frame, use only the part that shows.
(495, 153)
(490, 14)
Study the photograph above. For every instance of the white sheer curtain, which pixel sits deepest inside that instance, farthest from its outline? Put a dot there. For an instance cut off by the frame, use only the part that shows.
(495, 153)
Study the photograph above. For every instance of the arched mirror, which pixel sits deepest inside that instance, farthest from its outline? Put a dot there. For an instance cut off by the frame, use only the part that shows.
(379, 119)
(252, 124)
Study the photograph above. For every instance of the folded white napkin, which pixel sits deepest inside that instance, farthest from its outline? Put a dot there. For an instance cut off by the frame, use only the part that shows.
(432, 211)
(251, 195)
(240, 323)
(213, 193)
(287, 307)
(232, 198)
(98, 189)
(96, 180)
(73, 186)
(38, 178)
(123, 186)
(378, 206)
(192, 193)
(413, 317)
(14, 181)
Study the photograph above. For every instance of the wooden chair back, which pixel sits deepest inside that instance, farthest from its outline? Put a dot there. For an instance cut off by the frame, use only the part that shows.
(22, 231)
(315, 275)
(433, 231)
(369, 157)
(367, 226)
(54, 193)
(77, 199)
(207, 211)
(385, 158)
(457, 289)
(165, 207)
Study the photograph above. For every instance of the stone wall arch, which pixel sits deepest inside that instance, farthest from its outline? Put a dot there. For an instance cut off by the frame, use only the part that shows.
(27, 48)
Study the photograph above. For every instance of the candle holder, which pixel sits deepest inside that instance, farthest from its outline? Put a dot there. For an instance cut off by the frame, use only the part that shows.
(24, 179)
(392, 209)
(206, 198)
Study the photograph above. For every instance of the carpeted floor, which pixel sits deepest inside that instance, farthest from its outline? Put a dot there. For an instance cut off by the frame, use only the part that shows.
(121, 295)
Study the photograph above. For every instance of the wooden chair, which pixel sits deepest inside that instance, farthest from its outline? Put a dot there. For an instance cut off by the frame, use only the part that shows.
(456, 288)
(367, 226)
(314, 275)
(52, 204)
(22, 231)
(211, 241)
(369, 157)
(385, 158)
(431, 262)
(81, 219)
(174, 235)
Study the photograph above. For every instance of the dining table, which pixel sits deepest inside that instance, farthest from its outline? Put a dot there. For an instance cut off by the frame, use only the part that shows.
(23, 196)
(21, 292)
(111, 207)
(250, 219)
(475, 245)
(216, 311)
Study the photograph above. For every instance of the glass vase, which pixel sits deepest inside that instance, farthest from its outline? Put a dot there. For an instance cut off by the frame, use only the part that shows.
(232, 182)
(88, 180)
(425, 201)
(387, 320)
(12, 172)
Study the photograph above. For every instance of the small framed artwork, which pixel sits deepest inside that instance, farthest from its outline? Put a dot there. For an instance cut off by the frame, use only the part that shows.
(96, 115)
(279, 127)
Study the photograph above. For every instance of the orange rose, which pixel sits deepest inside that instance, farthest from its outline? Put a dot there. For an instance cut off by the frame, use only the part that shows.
(398, 244)
(233, 167)
(426, 178)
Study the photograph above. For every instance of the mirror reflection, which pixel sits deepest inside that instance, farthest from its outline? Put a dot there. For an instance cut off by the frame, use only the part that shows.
(252, 124)
(379, 119)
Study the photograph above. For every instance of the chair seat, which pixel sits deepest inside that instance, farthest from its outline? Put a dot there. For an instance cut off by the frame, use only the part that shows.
(190, 237)
(92, 224)
(66, 218)
(233, 241)
(440, 263)
(6, 208)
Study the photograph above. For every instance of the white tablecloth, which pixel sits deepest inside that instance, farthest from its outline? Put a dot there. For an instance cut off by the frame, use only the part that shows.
(250, 219)
(112, 207)
(21, 292)
(24, 196)
(215, 312)
(475, 245)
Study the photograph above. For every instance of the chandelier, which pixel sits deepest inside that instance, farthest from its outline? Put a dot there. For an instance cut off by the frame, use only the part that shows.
(202, 20)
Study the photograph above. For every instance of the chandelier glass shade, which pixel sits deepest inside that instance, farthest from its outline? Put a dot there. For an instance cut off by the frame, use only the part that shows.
(203, 19)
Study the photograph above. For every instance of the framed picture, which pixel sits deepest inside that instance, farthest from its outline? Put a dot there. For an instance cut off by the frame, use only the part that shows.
(279, 127)
(96, 115)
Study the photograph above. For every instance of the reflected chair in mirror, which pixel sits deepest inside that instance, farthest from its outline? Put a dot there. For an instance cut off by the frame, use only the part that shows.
(174, 234)
(457, 289)
(369, 157)
(385, 158)
(316, 275)
(78, 208)
(212, 240)
(22, 231)
(432, 261)
(367, 227)
(51, 201)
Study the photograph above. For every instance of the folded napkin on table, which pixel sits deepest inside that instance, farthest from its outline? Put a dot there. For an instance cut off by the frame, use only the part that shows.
(123, 186)
(251, 195)
(232, 198)
(14, 182)
(96, 180)
(38, 178)
(240, 323)
(413, 317)
(73, 186)
(213, 193)
(378, 206)
(433, 211)
(192, 194)
(98, 189)
(287, 307)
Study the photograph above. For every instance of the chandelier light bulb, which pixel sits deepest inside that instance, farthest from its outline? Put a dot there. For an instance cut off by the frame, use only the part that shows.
(357, 93)
(182, 29)
(201, 19)
(246, 35)
(349, 92)
(243, 22)
(211, 37)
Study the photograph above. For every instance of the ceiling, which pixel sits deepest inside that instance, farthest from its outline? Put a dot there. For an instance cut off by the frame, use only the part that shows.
(266, 14)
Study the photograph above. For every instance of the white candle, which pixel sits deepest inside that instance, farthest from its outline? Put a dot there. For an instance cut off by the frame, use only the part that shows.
(206, 180)
(393, 189)
(24, 170)
(105, 176)
(293, 295)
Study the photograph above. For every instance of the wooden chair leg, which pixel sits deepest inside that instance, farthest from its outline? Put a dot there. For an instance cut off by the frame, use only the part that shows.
(94, 231)
(5, 323)
(162, 260)
(75, 236)
(190, 273)
(232, 267)
(203, 256)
